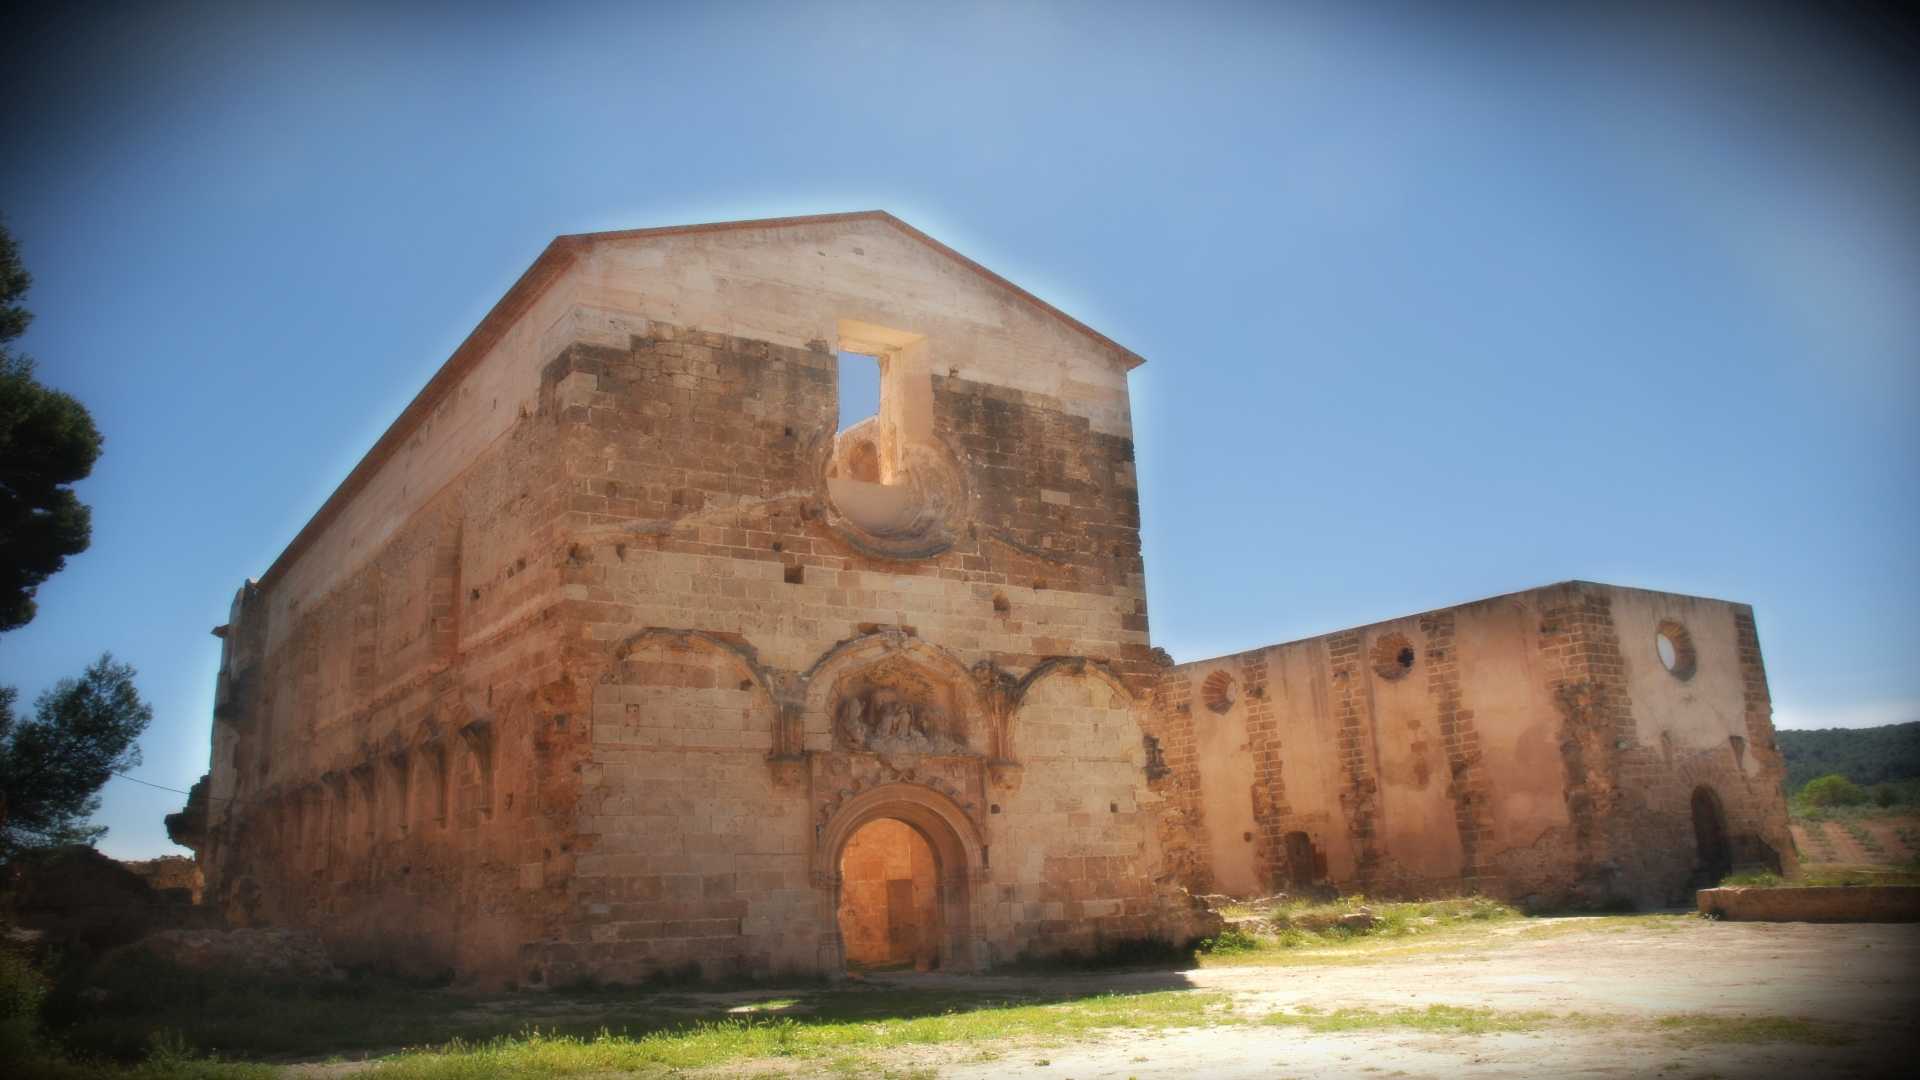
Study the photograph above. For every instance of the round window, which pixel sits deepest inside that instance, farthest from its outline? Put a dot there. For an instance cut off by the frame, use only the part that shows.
(1392, 656)
(1674, 646)
(1217, 692)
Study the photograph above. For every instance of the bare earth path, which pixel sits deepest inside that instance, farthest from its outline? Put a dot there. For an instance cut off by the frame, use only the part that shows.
(1672, 997)
(1860, 983)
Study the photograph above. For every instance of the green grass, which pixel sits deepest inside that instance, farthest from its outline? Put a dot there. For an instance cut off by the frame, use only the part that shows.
(1228, 942)
(1693, 1028)
(160, 1024)
(1288, 931)
(180, 1026)
(850, 1034)
(838, 1036)
(1658, 923)
(1685, 1029)
(1802, 811)
(1826, 876)
(1434, 1019)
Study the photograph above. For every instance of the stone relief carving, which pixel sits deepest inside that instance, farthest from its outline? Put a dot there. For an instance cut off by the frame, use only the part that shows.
(900, 706)
(883, 720)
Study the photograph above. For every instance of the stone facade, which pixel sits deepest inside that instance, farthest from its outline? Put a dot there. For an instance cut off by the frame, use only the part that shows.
(1544, 747)
(613, 644)
(599, 660)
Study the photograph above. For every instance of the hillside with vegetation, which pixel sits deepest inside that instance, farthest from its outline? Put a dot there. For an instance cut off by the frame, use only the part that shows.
(1854, 796)
(1866, 756)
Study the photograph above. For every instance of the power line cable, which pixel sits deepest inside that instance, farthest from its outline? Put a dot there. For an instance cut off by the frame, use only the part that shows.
(163, 787)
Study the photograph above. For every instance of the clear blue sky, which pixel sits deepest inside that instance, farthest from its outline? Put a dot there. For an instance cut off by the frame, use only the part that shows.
(1435, 307)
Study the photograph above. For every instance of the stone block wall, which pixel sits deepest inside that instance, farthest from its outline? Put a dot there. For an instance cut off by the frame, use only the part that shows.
(588, 671)
(613, 643)
(389, 777)
(722, 620)
(1534, 747)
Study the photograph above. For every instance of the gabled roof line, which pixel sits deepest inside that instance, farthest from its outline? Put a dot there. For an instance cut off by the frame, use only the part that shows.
(558, 256)
(1130, 358)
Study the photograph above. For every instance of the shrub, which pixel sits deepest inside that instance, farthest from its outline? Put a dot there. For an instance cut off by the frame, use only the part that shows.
(1230, 941)
(1833, 790)
(22, 989)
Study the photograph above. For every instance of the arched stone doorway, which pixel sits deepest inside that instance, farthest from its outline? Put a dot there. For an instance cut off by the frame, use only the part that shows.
(889, 911)
(1710, 837)
(910, 852)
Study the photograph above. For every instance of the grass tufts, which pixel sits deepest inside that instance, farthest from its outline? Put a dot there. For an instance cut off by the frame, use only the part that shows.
(1696, 1028)
(1684, 1029)
(1827, 877)
(819, 1037)
(1267, 933)
(1434, 1019)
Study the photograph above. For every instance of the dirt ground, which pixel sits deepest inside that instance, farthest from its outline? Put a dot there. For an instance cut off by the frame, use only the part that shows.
(1757, 1000)
(1857, 982)
(1876, 841)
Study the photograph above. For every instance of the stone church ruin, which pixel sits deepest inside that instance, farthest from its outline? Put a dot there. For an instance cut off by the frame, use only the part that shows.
(616, 655)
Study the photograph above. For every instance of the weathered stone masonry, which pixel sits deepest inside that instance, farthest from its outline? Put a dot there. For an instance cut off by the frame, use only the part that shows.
(1535, 747)
(605, 655)
(614, 645)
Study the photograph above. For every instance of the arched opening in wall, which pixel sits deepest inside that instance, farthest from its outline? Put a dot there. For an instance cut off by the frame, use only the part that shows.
(1302, 864)
(890, 906)
(1710, 836)
(863, 462)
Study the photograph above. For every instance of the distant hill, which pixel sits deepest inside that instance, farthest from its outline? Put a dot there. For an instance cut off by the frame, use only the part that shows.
(1865, 756)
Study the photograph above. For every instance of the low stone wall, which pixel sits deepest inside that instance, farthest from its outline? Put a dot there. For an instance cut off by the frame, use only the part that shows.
(1843, 903)
(170, 873)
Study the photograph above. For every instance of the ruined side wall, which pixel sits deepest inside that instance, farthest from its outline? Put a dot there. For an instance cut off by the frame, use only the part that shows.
(1531, 746)
(1079, 866)
(1639, 740)
(384, 745)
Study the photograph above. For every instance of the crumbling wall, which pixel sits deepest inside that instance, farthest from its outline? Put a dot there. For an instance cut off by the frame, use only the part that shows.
(1173, 774)
(1640, 738)
(739, 643)
(1532, 746)
(396, 752)
(598, 660)
(178, 875)
(591, 665)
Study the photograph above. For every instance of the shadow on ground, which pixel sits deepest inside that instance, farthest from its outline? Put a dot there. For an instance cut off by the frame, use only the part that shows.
(265, 1020)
